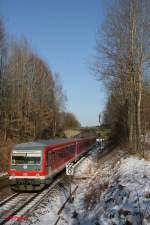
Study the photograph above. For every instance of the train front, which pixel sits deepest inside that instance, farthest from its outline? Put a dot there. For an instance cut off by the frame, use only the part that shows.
(25, 169)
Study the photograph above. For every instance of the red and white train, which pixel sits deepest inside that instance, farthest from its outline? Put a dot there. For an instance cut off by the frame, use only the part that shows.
(34, 164)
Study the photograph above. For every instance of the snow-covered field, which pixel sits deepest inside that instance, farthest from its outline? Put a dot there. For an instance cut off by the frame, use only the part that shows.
(114, 189)
(127, 199)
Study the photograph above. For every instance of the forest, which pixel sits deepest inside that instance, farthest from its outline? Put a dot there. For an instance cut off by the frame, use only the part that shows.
(32, 99)
(122, 64)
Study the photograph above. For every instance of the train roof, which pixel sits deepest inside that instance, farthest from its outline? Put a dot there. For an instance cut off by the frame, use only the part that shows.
(42, 143)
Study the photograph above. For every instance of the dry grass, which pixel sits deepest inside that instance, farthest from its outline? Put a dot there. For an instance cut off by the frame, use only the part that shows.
(93, 195)
(5, 155)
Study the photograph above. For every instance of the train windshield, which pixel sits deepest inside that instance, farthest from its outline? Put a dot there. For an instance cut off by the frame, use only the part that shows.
(30, 158)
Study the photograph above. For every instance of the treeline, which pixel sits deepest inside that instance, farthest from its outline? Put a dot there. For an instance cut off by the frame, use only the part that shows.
(123, 60)
(32, 101)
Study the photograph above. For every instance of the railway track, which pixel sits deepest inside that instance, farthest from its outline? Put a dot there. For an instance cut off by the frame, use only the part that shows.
(8, 199)
(10, 207)
(18, 206)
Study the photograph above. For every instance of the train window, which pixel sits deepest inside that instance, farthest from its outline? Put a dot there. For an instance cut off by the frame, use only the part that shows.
(63, 152)
(49, 158)
(70, 150)
(25, 160)
(30, 158)
(18, 159)
(52, 157)
(33, 160)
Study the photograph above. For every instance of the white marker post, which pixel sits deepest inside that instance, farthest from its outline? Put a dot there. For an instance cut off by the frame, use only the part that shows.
(69, 169)
(70, 172)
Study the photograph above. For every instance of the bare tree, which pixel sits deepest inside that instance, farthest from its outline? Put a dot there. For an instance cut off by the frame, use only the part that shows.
(29, 91)
(59, 103)
(32, 100)
(3, 61)
(68, 120)
(123, 55)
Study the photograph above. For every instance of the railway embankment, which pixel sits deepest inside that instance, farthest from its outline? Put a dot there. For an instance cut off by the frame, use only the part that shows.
(117, 192)
(5, 189)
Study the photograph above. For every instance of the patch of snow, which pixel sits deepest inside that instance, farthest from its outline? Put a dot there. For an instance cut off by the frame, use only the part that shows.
(128, 199)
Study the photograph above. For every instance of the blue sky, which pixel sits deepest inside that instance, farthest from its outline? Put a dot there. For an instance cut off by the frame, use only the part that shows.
(63, 33)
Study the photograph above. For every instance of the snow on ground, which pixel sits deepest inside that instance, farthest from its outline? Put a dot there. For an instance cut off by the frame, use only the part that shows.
(85, 174)
(112, 190)
(127, 199)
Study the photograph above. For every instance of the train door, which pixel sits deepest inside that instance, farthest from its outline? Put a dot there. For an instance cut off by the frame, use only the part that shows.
(77, 149)
(48, 166)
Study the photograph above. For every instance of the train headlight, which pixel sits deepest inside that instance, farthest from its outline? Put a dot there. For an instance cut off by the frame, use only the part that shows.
(25, 174)
(37, 174)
